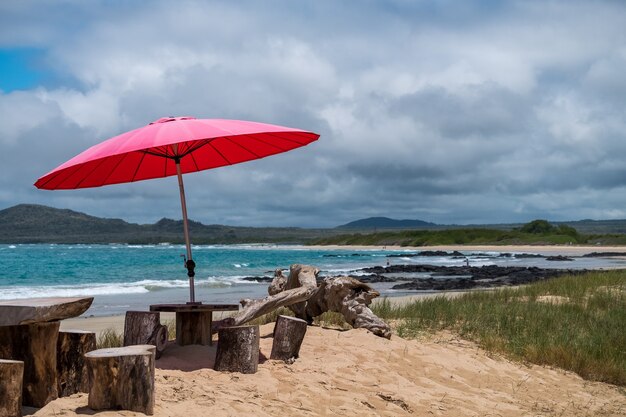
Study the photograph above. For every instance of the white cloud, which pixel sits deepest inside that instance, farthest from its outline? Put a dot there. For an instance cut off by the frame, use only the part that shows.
(473, 113)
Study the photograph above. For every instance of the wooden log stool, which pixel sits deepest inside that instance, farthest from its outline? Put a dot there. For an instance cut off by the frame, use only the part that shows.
(36, 345)
(145, 328)
(71, 368)
(122, 378)
(238, 349)
(11, 379)
(288, 336)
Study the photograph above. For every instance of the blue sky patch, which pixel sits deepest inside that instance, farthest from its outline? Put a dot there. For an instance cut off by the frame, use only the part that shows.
(20, 68)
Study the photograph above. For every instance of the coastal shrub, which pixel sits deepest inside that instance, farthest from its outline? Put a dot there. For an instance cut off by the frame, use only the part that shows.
(109, 338)
(577, 323)
(332, 319)
(171, 328)
(537, 227)
(536, 232)
(271, 317)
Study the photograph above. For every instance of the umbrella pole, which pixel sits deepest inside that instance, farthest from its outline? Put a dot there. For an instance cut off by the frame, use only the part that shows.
(189, 263)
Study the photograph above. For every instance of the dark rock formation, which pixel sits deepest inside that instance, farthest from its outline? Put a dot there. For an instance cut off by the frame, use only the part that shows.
(603, 254)
(462, 277)
(559, 258)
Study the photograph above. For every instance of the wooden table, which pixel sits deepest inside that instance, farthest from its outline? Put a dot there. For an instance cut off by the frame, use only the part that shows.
(29, 331)
(194, 320)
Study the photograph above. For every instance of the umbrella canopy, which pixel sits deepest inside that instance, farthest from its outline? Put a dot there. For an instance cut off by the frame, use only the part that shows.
(152, 151)
(174, 146)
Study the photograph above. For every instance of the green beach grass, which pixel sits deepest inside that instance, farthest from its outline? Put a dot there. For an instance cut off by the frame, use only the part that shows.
(577, 323)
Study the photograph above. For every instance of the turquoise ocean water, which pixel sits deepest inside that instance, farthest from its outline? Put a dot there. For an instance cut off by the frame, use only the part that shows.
(131, 277)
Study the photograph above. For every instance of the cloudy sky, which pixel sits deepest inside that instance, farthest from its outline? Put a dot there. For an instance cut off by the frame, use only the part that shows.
(445, 111)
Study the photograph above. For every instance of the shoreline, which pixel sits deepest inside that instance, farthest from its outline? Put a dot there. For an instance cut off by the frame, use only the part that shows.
(571, 250)
(99, 324)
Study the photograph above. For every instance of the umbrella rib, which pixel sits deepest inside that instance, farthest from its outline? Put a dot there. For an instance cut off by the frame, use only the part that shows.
(58, 174)
(163, 154)
(143, 155)
(290, 139)
(273, 145)
(91, 172)
(219, 153)
(241, 146)
(198, 144)
(123, 156)
(194, 162)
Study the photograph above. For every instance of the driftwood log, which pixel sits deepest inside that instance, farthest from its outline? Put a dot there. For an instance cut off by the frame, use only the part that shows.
(288, 336)
(351, 298)
(11, 377)
(122, 378)
(35, 310)
(36, 345)
(293, 291)
(301, 293)
(71, 368)
(145, 328)
(238, 349)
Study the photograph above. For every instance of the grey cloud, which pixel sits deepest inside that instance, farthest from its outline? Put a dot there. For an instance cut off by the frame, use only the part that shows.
(473, 113)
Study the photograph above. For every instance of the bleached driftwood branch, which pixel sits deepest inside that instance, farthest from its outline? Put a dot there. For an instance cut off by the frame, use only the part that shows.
(302, 294)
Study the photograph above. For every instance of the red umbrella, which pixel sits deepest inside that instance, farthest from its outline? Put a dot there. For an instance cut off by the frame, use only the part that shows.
(174, 146)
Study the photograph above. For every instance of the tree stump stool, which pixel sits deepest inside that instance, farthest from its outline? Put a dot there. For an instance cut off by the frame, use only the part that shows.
(122, 378)
(238, 349)
(11, 379)
(144, 327)
(71, 368)
(288, 336)
(36, 345)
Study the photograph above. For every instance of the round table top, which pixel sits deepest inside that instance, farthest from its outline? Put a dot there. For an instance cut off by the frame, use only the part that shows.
(193, 307)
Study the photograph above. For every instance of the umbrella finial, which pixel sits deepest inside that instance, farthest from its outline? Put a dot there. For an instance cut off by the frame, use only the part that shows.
(172, 119)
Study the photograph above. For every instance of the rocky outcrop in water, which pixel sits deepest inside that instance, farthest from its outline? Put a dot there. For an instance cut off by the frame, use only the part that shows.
(460, 277)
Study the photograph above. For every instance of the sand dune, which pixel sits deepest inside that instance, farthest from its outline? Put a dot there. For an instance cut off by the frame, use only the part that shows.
(354, 373)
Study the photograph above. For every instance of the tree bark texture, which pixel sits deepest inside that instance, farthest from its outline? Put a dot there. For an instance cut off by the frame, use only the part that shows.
(193, 328)
(122, 378)
(288, 336)
(37, 310)
(351, 298)
(238, 349)
(144, 327)
(71, 368)
(11, 377)
(307, 300)
(36, 345)
(296, 289)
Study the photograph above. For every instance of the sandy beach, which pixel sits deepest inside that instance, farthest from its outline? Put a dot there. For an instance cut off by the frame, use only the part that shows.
(354, 373)
(566, 250)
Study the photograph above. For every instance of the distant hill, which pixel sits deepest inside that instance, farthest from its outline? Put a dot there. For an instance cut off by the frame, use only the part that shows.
(31, 223)
(386, 223)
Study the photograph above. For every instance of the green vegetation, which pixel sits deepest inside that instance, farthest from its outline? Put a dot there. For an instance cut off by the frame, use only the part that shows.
(29, 223)
(171, 328)
(577, 323)
(109, 338)
(537, 232)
